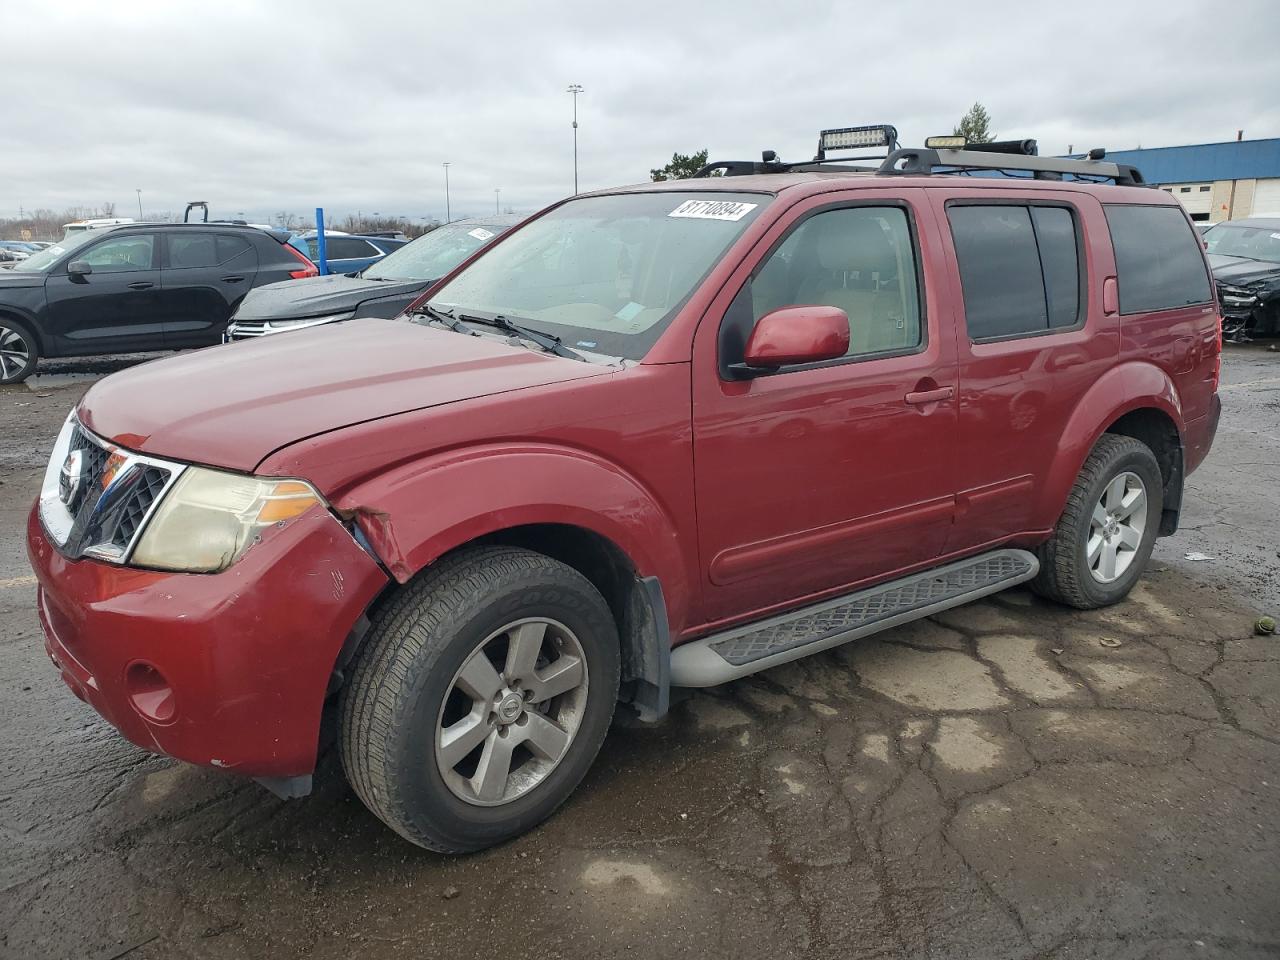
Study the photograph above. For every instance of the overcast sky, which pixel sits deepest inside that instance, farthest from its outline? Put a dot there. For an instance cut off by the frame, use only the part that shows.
(259, 107)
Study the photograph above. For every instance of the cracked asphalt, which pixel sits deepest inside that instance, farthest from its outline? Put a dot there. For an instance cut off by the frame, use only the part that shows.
(1007, 779)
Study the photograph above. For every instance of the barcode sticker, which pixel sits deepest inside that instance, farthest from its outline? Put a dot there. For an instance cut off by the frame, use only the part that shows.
(713, 209)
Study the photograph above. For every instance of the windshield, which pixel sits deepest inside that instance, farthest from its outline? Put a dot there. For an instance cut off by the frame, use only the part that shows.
(605, 274)
(433, 255)
(1253, 243)
(46, 258)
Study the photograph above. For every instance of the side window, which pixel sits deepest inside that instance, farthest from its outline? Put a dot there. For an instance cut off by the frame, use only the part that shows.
(121, 254)
(1158, 261)
(230, 247)
(347, 248)
(859, 259)
(192, 250)
(1019, 268)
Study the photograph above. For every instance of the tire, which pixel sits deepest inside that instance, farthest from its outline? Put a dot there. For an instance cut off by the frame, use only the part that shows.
(19, 351)
(414, 685)
(1074, 561)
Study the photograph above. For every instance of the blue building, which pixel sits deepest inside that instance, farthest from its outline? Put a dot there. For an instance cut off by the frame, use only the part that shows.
(1214, 181)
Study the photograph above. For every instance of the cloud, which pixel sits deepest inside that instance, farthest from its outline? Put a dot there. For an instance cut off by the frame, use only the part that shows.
(262, 107)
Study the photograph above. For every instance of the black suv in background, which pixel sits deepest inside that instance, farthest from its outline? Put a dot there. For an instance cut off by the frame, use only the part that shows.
(136, 287)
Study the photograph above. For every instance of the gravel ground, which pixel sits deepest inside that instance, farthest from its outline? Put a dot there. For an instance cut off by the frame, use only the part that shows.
(1008, 779)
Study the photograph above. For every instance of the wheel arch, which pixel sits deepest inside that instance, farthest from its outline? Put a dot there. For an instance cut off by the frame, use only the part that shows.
(1135, 399)
(13, 313)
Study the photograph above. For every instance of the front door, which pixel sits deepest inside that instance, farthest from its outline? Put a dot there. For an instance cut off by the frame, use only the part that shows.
(822, 476)
(114, 308)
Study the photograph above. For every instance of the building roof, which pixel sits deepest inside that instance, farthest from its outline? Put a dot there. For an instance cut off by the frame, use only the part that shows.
(1198, 162)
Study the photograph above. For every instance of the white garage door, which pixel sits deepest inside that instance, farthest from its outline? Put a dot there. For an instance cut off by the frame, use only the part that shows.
(1196, 197)
(1266, 198)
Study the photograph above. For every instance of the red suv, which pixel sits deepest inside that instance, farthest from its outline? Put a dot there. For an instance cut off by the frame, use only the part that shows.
(663, 435)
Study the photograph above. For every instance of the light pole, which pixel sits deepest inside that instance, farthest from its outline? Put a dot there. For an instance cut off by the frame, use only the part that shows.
(575, 89)
(139, 192)
(497, 192)
(447, 217)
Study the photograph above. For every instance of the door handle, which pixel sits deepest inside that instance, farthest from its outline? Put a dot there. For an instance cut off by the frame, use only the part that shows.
(141, 285)
(919, 397)
(232, 279)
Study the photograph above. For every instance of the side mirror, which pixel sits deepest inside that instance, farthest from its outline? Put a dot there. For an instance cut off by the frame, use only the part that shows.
(807, 334)
(79, 268)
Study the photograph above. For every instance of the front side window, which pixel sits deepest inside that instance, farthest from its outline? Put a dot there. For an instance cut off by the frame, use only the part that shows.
(605, 274)
(1019, 268)
(858, 259)
(121, 254)
(1158, 261)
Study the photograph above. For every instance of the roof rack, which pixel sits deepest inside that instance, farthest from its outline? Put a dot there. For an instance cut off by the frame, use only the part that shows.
(1009, 157)
(924, 161)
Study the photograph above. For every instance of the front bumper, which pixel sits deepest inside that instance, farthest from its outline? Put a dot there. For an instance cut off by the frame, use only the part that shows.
(228, 669)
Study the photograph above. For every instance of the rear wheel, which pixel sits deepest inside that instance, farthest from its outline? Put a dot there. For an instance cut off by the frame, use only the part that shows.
(19, 351)
(1105, 535)
(481, 698)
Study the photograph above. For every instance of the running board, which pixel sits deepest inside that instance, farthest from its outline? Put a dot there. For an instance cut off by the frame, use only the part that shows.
(736, 653)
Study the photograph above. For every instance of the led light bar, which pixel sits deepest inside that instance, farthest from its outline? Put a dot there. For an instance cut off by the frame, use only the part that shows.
(946, 143)
(857, 138)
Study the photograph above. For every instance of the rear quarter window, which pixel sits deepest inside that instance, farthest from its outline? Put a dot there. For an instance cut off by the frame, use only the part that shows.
(1158, 261)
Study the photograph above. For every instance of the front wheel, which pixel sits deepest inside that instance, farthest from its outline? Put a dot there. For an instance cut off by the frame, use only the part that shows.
(483, 694)
(1105, 535)
(19, 351)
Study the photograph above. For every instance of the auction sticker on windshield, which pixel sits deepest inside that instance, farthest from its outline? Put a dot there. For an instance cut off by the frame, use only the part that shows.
(713, 209)
(480, 233)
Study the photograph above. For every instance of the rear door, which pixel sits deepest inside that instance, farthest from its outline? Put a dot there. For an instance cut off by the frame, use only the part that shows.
(1031, 341)
(825, 475)
(116, 307)
(205, 275)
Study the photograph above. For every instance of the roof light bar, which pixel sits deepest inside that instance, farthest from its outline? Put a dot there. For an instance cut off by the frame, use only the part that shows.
(958, 142)
(857, 138)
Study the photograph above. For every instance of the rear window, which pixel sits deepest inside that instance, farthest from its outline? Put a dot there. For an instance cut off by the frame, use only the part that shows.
(1158, 261)
(1019, 268)
(343, 248)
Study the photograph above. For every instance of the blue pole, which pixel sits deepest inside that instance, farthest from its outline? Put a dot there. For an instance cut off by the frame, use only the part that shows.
(320, 249)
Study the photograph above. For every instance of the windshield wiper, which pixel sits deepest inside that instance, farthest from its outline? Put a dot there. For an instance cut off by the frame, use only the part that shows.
(444, 318)
(547, 341)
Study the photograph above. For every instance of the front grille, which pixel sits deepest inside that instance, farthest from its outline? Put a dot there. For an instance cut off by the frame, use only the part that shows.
(133, 510)
(88, 513)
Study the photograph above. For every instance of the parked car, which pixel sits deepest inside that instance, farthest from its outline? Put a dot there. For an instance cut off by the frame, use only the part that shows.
(382, 290)
(664, 435)
(1245, 258)
(133, 288)
(347, 253)
(15, 250)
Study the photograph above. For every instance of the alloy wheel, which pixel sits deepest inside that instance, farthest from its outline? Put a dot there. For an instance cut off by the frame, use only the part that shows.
(1116, 527)
(15, 352)
(511, 711)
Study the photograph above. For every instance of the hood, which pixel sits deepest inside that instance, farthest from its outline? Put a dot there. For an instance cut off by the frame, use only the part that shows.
(317, 296)
(13, 279)
(1238, 270)
(230, 406)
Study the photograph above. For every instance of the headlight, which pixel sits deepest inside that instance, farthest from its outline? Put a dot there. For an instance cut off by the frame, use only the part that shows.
(1237, 296)
(209, 518)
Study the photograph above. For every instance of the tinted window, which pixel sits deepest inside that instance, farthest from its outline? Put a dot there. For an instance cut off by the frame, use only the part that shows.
(1059, 260)
(193, 250)
(343, 248)
(1019, 268)
(1158, 261)
(999, 270)
(230, 247)
(132, 252)
(860, 260)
